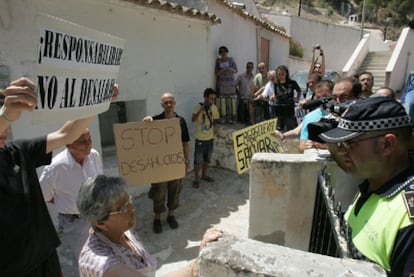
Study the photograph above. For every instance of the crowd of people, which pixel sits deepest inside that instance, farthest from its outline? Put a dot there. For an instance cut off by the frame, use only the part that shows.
(95, 212)
(96, 216)
(371, 141)
(249, 98)
(369, 136)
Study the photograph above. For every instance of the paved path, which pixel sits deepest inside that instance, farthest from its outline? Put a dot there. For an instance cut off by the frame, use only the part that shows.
(223, 203)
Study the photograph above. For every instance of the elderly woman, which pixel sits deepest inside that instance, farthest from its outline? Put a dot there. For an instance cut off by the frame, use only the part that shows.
(112, 248)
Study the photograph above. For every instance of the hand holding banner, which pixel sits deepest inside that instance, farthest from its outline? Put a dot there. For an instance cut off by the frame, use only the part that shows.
(254, 139)
(76, 70)
(150, 152)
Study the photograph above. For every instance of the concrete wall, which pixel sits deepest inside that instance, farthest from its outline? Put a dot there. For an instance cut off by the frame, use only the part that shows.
(338, 42)
(357, 57)
(296, 64)
(402, 61)
(282, 195)
(231, 257)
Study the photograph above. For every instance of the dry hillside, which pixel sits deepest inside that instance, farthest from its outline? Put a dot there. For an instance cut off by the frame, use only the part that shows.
(318, 10)
(311, 12)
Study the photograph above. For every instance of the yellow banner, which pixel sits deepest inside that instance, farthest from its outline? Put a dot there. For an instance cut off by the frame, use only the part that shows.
(254, 139)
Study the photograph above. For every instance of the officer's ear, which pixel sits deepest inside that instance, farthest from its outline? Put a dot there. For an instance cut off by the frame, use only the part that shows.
(390, 143)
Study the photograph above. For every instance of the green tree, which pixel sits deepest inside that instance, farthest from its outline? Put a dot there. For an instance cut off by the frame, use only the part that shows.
(377, 11)
(402, 8)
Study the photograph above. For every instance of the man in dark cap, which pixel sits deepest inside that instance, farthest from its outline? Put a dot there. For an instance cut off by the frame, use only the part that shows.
(372, 137)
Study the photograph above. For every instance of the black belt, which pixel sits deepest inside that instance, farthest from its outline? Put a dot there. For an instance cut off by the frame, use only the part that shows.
(71, 216)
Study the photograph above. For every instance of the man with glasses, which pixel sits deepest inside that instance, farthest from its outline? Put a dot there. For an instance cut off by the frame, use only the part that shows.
(373, 137)
(60, 182)
(171, 189)
(346, 89)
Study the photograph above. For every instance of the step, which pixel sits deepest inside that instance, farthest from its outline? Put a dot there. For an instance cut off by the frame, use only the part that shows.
(376, 63)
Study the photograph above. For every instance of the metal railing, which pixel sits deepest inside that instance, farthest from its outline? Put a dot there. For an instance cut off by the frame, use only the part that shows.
(241, 110)
(329, 234)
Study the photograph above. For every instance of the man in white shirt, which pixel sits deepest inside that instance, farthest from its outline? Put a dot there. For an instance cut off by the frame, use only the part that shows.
(60, 182)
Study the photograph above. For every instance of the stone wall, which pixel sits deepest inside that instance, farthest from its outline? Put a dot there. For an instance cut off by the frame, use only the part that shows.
(231, 257)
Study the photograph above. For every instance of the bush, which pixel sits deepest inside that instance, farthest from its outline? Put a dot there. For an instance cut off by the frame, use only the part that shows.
(295, 48)
(330, 12)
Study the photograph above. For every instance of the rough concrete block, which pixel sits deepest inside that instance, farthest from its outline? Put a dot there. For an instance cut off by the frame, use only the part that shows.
(231, 256)
(282, 196)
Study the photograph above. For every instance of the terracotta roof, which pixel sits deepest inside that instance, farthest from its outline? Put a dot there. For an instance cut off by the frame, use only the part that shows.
(264, 23)
(177, 9)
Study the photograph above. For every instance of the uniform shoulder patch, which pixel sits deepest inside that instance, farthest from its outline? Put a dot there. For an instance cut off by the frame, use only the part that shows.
(408, 197)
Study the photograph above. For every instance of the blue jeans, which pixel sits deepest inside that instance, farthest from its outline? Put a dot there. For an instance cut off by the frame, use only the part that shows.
(202, 152)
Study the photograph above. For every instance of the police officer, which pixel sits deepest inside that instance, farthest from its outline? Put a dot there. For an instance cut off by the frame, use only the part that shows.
(373, 137)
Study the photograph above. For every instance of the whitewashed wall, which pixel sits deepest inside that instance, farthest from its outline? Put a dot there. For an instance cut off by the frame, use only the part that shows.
(163, 52)
(402, 60)
(337, 41)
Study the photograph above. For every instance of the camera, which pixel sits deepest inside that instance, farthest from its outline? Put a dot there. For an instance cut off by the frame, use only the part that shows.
(328, 105)
(340, 108)
(317, 102)
(317, 128)
(317, 46)
(207, 107)
(326, 124)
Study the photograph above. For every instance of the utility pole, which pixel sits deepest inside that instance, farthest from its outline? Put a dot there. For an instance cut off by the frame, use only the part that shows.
(362, 19)
(300, 6)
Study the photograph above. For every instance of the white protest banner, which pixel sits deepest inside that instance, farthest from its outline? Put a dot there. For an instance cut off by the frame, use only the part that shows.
(150, 152)
(253, 139)
(75, 71)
